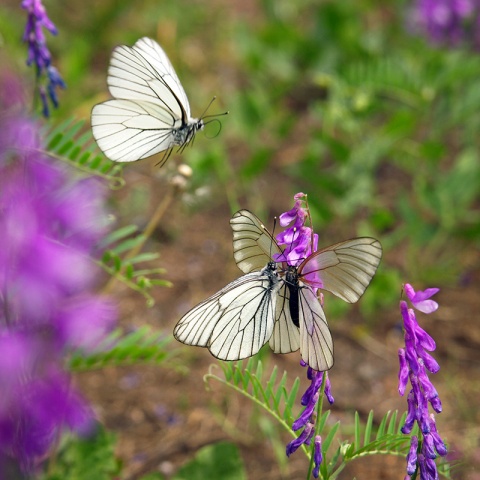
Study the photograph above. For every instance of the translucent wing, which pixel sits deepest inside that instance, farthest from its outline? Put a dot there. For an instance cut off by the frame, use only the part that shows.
(316, 344)
(235, 322)
(286, 336)
(127, 131)
(150, 112)
(143, 72)
(253, 245)
(345, 269)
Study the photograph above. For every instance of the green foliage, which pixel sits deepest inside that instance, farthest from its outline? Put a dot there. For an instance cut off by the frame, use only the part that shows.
(71, 142)
(126, 240)
(78, 459)
(273, 396)
(220, 461)
(119, 349)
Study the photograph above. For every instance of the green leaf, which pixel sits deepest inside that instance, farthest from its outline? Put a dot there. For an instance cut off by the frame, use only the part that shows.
(67, 143)
(368, 428)
(141, 346)
(220, 461)
(119, 234)
(91, 458)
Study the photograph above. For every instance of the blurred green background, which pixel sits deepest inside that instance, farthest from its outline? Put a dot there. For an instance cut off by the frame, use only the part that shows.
(339, 100)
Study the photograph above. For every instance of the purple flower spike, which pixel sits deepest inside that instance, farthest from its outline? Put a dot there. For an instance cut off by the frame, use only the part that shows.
(308, 416)
(300, 242)
(447, 22)
(46, 308)
(298, 239)
(38, 53)
(415, 363)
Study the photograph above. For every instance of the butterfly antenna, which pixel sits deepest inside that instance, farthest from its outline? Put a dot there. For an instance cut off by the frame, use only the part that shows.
(203, 116)
(273, 235)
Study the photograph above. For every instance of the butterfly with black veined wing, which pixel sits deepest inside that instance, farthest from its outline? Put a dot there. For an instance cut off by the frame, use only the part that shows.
(345, 269)
(237, 321)
(234, 323)
(150, 112)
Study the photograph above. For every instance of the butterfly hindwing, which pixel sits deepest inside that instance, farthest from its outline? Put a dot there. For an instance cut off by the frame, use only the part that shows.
(127, 131)
(345, 269)
(253, 245)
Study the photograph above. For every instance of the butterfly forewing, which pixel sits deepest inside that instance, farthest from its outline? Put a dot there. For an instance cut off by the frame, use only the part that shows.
(345, 269)
(235, 322)
(253, 245)
(143, 72)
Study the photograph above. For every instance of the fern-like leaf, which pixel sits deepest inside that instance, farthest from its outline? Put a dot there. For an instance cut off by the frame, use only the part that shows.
(141, 346)
(66, 143)
(124, 268)
(272, 395)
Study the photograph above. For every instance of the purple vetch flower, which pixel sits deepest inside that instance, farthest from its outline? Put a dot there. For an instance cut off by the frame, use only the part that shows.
(47, 307)
(307, 418)
(299, 240)
(38, 54)
(421, 299)
(415, 364)
(412, 456)
(448, 22)
(317, 456)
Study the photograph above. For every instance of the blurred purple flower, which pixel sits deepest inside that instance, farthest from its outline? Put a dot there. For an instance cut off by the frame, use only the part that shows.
(38, 53)
(415, 363)
(50, 227)
(448, 22)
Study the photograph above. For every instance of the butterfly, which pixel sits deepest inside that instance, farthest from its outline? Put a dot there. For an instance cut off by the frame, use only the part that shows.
(237, 321)
(150, 112)
(227, 322)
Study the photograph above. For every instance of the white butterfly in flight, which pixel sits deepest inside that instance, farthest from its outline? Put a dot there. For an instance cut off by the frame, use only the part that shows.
(150, 112)
(276, 303)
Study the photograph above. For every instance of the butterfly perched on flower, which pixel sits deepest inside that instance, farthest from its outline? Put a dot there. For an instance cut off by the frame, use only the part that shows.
(149, 112)
(276, 301)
